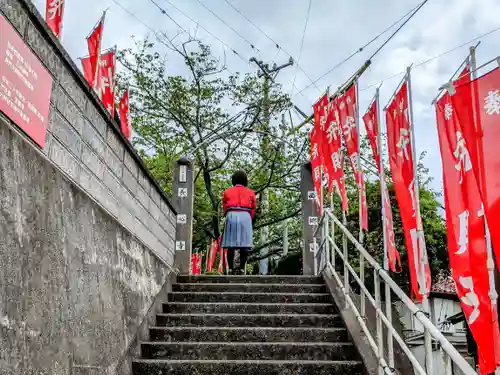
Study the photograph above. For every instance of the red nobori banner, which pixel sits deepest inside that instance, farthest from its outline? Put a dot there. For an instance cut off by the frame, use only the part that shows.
(317, 147)
(124, 118)
(87, 70)
(372, 129)
(196, 264)
(348, 116)
(25, 85)
(467, 247)
(401, 162)
(348, 120)
(477, 106)
(54, 10)
(394, 259)
(105, 87)
(94, 46)
(214, 248)
(334, 158)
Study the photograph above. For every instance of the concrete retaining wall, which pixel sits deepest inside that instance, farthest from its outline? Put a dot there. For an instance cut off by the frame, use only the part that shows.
(86, 235)
(74, 284)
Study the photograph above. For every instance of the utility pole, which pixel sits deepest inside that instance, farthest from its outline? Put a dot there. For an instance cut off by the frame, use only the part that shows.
(269, 75)
(285, 154)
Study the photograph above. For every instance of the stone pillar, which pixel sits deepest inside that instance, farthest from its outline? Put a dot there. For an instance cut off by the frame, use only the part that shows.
(310, 219)
(183, 198)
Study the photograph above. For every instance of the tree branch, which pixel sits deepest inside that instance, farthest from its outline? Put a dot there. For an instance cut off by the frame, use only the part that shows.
(279, 220)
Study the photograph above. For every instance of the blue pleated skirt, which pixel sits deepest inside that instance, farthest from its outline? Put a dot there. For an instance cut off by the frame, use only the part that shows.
(238, 232)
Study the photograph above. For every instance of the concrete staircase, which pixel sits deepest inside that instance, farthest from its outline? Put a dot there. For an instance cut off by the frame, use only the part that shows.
(248, 325)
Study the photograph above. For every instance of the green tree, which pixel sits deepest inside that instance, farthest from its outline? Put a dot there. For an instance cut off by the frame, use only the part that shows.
(216, 117)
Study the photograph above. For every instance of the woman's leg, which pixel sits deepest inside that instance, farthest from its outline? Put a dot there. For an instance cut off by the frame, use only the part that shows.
(243, 258)
(230, 258)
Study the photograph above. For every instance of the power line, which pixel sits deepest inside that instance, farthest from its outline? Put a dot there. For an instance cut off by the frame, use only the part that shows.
(398, 29)
(185, 15)
(278, 46)
(225, 23)
(213, 35)
(302, 41)
(253, 24)
(166, 14)
(155, 32)
(210, 33)
(135, 17)
(422, 63)
(362, 48)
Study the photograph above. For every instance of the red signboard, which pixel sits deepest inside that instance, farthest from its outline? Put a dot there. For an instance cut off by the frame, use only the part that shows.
(25, 85)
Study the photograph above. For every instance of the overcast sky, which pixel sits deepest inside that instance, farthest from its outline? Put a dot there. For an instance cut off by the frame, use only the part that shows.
(335, 29)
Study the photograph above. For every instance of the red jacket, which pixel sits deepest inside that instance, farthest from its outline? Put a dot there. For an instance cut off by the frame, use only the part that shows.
(239, 196)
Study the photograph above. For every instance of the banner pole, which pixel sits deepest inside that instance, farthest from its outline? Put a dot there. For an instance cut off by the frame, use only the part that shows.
(99, 55)
(382, 179)
(420, 240)
(360, 202)
(388, 304)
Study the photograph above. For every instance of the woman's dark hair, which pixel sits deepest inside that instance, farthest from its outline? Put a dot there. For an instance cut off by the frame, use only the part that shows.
(239, 178)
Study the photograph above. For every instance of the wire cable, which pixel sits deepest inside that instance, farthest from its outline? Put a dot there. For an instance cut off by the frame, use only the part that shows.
(210, 33)
(398, 29)
(168, 15)
(213, 35)
(362, 48)
(302, 42)
(156, 33)
(135, 17)
(278, 46)
(225, 23)
(422, 63)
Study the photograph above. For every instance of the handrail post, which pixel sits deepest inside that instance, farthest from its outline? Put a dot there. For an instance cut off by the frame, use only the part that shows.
(325, 239)
(333, 244)
(388, 314)
(380, 334)
(315, 256)
(346, 255)
(360, 203)
(362, 292)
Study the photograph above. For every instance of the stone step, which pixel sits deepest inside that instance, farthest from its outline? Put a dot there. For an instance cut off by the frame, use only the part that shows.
(249, 320)
(252, 287)
(252, 367)
(249, 308)
(250, 279)
(320, 351)
(248, 297)
(247, 334)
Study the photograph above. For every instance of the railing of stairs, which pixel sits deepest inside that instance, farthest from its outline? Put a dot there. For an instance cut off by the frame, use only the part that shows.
(326, 257)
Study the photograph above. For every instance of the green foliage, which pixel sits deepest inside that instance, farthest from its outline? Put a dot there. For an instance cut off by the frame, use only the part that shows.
(224, 122)
(228, 121)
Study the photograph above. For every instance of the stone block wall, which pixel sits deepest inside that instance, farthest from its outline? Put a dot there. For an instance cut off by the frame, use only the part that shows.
(89, 147)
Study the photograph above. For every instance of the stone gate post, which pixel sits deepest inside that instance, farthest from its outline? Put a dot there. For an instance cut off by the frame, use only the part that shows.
(310, 219)
(183, 199)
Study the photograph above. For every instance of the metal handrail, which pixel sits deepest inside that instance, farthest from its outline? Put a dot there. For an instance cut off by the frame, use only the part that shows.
(377, 346)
